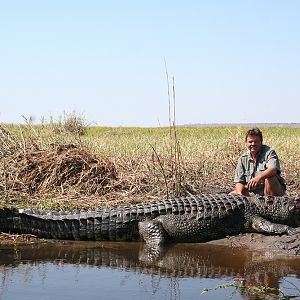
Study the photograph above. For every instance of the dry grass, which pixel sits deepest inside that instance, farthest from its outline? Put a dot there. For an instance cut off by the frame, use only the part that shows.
(58, 169)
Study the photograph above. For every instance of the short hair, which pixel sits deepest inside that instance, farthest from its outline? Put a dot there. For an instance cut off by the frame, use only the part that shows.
(254, 132)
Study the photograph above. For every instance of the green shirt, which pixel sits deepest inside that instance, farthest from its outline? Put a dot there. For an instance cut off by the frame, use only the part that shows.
(247, 168)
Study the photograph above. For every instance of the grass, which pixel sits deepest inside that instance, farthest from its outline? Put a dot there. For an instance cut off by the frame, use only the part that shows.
(211, 152)
(150, 162)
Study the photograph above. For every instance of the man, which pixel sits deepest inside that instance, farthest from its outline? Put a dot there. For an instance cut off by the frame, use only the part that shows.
(258, 169)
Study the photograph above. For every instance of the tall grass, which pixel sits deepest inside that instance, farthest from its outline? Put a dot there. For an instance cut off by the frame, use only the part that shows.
(209, 154)
(205, 157)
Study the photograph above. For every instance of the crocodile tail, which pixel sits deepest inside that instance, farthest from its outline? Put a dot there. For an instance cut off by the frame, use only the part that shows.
(7, 218)
(102, 224)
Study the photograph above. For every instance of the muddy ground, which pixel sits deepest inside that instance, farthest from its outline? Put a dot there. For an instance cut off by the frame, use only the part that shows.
(283, 245)
(7, 239)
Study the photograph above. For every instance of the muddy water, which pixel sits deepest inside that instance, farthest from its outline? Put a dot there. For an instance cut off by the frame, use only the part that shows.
(83, 270)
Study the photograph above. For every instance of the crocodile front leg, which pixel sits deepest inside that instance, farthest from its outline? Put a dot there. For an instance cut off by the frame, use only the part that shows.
(262, 225)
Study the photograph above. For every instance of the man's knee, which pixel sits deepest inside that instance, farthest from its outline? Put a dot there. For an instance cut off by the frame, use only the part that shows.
(273, 187)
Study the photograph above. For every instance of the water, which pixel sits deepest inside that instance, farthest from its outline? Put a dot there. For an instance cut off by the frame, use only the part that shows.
(94, 270)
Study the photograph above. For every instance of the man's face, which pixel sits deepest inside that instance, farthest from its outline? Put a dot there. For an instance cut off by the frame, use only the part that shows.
(253, 144)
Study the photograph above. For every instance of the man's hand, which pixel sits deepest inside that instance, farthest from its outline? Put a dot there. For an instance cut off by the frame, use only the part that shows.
(271, 171)
(254, 182)
(240, 190)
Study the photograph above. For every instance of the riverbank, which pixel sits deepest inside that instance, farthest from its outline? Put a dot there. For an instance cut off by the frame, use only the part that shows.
(286, 245)
(7, 239)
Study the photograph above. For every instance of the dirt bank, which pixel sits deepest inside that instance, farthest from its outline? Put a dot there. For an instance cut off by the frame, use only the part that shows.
(283, 245)
(7, 239)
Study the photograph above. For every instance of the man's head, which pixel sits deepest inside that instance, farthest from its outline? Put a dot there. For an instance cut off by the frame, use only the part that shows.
(254, 141)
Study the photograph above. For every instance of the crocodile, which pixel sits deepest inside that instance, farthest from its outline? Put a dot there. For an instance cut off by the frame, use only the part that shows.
(197, 218)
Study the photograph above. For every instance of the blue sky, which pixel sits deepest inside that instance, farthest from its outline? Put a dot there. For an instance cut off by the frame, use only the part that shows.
(232, 61)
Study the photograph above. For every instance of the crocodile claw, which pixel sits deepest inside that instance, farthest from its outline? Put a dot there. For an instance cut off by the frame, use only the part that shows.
(293, 230)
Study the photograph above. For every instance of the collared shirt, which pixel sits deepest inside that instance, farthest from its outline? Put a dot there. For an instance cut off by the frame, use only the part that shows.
(247, 168)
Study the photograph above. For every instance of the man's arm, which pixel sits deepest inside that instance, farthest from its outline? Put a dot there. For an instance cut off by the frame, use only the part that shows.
(240, 189)
(269, 172)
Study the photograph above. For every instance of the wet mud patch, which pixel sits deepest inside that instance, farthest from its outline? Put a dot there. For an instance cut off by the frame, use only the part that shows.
(284, 244)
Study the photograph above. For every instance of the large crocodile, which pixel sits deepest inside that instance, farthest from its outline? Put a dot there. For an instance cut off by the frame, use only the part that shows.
(188, 219)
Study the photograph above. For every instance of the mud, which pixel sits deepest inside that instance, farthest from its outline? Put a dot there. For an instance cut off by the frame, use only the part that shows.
(284, 245)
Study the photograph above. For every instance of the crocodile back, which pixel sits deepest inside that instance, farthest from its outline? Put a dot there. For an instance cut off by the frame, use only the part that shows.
(115, 223)
(121, 223)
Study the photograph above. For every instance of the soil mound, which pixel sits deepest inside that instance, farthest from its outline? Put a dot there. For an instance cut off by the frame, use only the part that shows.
(63, 167)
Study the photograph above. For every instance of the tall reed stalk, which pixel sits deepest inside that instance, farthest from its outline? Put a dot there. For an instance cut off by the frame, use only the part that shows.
(174, 144)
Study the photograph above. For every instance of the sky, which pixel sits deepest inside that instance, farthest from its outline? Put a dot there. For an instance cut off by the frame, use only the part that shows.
(113, 62)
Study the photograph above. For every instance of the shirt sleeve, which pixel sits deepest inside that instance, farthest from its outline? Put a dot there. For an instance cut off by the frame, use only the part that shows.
(239, 175)
(273, 160)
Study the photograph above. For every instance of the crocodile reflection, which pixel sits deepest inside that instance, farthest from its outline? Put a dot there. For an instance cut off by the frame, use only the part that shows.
(178, 260)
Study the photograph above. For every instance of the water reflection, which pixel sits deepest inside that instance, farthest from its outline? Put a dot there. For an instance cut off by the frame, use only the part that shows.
(190, 261)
